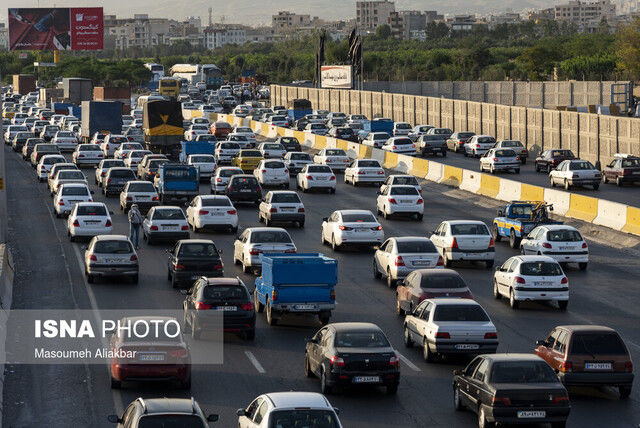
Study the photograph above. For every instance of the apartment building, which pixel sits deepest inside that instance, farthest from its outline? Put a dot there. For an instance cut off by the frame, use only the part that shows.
(372, 14)
(4, 37)
(218, 36)
(404, 22)
(585, 15)
(286, 21)
(139, 31)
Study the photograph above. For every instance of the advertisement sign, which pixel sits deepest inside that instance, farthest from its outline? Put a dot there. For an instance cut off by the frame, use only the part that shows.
(56, 28)
(336, 76)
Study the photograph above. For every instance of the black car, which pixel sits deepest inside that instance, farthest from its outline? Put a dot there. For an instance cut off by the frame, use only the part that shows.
(432, 145)
(352, 354)
(550, 159)
(30, 144)
(160, 412)
(192, 258)
(116, 179)
(291, 144)
(343, 133)
(20, 139)
(210, 296)
(244, 188)
(511, 389)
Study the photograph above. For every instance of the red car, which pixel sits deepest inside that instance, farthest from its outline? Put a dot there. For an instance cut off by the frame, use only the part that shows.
(424, 284)
(221, 130)
(144, 359)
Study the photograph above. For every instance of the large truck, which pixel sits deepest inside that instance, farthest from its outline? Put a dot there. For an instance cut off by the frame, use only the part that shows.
(24, 83)
(298, 108)
(100, 116)
(77, 89)
(376, 125)
(302, 283)
(162, 126)
(517, 218)
(196, 148)
(177, 182)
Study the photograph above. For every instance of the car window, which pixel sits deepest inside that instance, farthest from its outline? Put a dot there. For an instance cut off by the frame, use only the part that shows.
(198, 250)
(168, 214)
(460, 313)
(522, 372)
(404, 191)
(481, 371)
(75, 191)
(471, 367)
(216, 202)
(358, 218)
(469, 229)
(564, 235)
(91, 210)
(360, 339)
(422, 246)
(597, 343)
(540, 269)
(270, 236)
(420, 308)
(141, 187)
(441, 281)
(253, 407)
(303, 418)
(426, 313)
(112, 247)
(561, 342)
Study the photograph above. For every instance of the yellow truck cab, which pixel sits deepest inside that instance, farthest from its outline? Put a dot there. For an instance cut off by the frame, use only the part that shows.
(247, 160)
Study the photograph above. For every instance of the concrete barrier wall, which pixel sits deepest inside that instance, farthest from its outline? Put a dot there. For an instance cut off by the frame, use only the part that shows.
(6, 296)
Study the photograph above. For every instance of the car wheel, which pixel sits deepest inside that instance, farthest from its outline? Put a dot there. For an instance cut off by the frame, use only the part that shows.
(407, 337)
(419, 217)
(605, 180)
(307, 368)
(548, 169)
(517, 170)
(186, 384)
(134, 279)
(259, 307)
(250, 334)
(445, 260)
(537, 168)
(514, 241)
(582, 266)
(561, 424)
(625, 391)
(512, 300)
(376, 272)
(174, 283)
(562, 304)
(482, 420)
(618, 182)
(115, 384)
(399, 309)
(334, 246)
(333, 190)
(496, 292)
(566, 184)
(270, 319)
(301, 225)
(457, 403)
(390, 281)
(324, 318)
(245, 268)
(523, 161)
(552, 182)
(494, 233)
(90, 278)
(428, 356)
(324, 386)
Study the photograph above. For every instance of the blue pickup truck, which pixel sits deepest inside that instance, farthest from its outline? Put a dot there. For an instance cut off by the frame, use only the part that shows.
(518, 218)
(302, 283)
(177, 182)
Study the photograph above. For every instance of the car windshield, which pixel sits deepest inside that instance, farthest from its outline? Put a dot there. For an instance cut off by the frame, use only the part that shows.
(402, 141)
(248, 130)
(75, 191)
(229, 146)
(359, 218)
(89, 148)
(209, 159)
(112, 163)
(465, 135)
(47, 148)
(441, 281)
(112, 247)
(403, 126)
(303, 418)
(564, 235)
(155, 163)
(216, 202)
(168, 214)
(460, 313)
(511, 144)
(506, 153)
(274, 165)
(244, 182)
(291, 198)
(335, 152)
(486, 140)
(368, 164)
(521, 211)
(404, 190)
(432, 138)
(270, 236)
(597, 343)
(198, 250)
(422, 246)
(141, 187)
(469, 229)
(65, 134)
(224, 293)
(381, 136)
(51, 161)
(121, 173)
(238, 138)
(206, 137)
(540, 269)
(70, 174)
(631, 163)
(131, 146)
(581, 166)
(317, 168)
(360, 339)
(317, 126)
(522, 372)
(405, 180)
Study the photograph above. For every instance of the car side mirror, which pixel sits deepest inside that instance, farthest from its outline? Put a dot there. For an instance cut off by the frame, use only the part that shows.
(311, 340)
(541, 343)
(335, 409)
(167, 251)
(114, 419)
(500, 213)
(185, 292)
(325, 218)
(457, 372)
(241, 412)
(212, 418)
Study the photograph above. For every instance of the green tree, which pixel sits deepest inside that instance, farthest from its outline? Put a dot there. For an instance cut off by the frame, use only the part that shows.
(383, 32)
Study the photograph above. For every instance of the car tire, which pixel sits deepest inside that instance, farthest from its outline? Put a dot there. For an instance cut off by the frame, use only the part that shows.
(301, 225)
(324, 318)
(245, 268)
(134, 279)
(444, 154)
(514, 241)
(390, 281)
(457, 402)
(482, 420)
(523, 161)
(250, 334)
(582, 266)
(90, 278)
(115, 384)
(186, 384)
(624, 391)
(334, 246)
(324, 387)
(419, 217)
(566, 184)
(428, 356)
(496, 291)
(513, 303)
(605, 180)
(259, 307)
(562, 305)
(270, 318)
(517, 170)
(307, 367)
(495, 234)
(552, 183)
(618, 182)
(408, 343)
(376, 272)
(174, 283)
(445, 260)
(561, 424)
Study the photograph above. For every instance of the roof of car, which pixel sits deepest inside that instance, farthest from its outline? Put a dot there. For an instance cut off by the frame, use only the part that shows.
(512, 357)
(437, 272)
(195, 241)
(266, 229)
(354, 212)
(167, 207)
(298, 399)
(409, 238)
(223, 281)
(582, 328)
(445, 301)
(452, 222)
(168, 405)
(558, 227)
(535, 258)
(279, 192)
(111, 237)
(353, 326)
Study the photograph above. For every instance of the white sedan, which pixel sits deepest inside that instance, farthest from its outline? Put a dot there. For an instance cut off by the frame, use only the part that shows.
(562, 243)
(500, 160)
(221, 176)
(256, 240)
(337, 159)
(212, 211)
(272, 173)
(134, 157)
(88, 219)
(65, 176)
(65, 140)
(103, 168)
(295, 161)
(68, 195)
(272, 150)
(364, 171)
(397, 257)
(87, 154)
(531, 278)
(206, 165)
(402, 180)
(376, 139)
(139, 192)
(314, 176)
(245, 131)
(226, 151)
(281, 206)
(112, 143)
(196, 129)
(46, 163)
(464, 240)
(400, 200)
(165, 222)
(478, 145)
(351, 227)
(575, 173)
(317, 128)
(402, 145)
(125, 148)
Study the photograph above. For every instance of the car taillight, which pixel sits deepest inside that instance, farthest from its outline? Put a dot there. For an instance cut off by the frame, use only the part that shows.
(153, 228)
(155, 198)
(561, 399)
(218, 180)
(392, 201)
(108, 181)
(491, 243)
(203, 212)
(419, 201)
(440, 261)
(76, 223)
(336, 361)
(361, 172)
(519, 280)
(628, 367)
(60, 202)
(584, 245)
(231, 212)
(202, 306)
(93, 258)
(399, 261)
(290, 251)
(491, 335)
(108, 223)
(546, 245)
(217, 267)
(495, 159)
(286, 171)
(454, 244)
(263, 171)
(376, 228)
(393, 147)
(500, 401)
(566, 366)
(443, 335)
(178, 353)
(129, 198)
(247, 306)
(254, 252)
(564, 280)
(394, 361)
(517, 158)
(185, 227)
(333, 177)
(345, 228)
(103, 173)
(274, 295)
(80, 156)
(300, 210)
(178, 267)
(133, 258)
(273, 210)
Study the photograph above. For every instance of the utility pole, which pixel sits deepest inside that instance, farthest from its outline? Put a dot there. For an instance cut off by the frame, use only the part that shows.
(4, 215)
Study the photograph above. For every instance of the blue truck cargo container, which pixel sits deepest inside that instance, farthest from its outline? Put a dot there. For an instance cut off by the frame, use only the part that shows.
(100, 116)
(61, 108)
(177, 182)
(376, 125)
(302, 283)
(195, 148)
(518, 218)
(76, 111)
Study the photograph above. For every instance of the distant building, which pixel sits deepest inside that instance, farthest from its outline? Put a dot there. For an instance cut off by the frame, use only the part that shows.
(541, 15)
(402, 23)
(433, 16)
(585, 16)
(262, 35)
(505, 18)
(462, 22)
(286, 21)
(139, 31)
(4, 37)
(218, 36)
(372, 14)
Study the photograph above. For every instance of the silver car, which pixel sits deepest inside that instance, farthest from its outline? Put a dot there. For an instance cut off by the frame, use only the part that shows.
(478, 145)
(397, 257)
(110, 256)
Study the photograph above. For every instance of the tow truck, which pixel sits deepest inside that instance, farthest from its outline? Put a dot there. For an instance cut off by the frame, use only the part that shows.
(518, 218)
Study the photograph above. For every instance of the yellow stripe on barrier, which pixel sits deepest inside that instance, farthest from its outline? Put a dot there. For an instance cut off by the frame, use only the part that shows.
(633, 221)
(281, 131)
(390, 160)
(420, 167)
(582, 207)
(321, 142)
(452, 176)
(342, 144)
(365, 152)
(299, 136)
(489, 185)
(531, 193)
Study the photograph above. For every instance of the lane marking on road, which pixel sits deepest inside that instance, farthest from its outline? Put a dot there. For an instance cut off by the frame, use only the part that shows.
(255, 362)
(409, 363)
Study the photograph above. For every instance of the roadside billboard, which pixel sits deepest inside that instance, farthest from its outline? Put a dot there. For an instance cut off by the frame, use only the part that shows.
(336, 76)
(56, 28)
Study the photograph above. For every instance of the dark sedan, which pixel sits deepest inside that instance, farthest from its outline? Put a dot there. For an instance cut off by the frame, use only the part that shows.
(424, 284)
(352, 354)
(550, 159)
(244, 188)
(511, 389)
(192, 258)
(343, 133)
(291, 144)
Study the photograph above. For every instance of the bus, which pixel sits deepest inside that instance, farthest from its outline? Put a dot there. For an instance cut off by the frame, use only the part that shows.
(169, 87)
(212, 76)
(194, 73)
(157, 70)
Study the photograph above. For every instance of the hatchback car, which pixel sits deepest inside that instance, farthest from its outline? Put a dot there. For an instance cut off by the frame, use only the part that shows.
(422, 284)
(256, 240)
(401, 180)
(221, 176)
(315, 176)
(244, 188)
(110, 256)
(116, 179)
(27, 149)
(65, 140)
(516, 146)
(289, 409)
(163, 412)
(212, 212)
(623, 169)
(281, 206)
(124, 149)
(351, 227)
(225, 152)
(396, 257)
(550, 159)
(500, 160)
(399, 200)
(272, 173)
(141, 193)
(469, 240)
(165, 222)
(68, 195)
(561, 242)
(40, 150)
(190, 259)
(364, 171)
(401, 145)
(478, 145)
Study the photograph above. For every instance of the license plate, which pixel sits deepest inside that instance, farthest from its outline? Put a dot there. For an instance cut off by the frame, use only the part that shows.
(304, 307)
(92, 222)
(111, 261)
(366, 379)
(532, 414)
(287, 210)
(142, 198)
(245, 190)
(170, 227)
(217, 213)
(565, 248)
(467, 346)
(151, 357)
(597, 366)
(321, 178)
(421, 263)
(227, 308)
(542, 283)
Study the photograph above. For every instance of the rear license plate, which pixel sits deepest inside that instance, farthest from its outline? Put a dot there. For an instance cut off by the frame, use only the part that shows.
(170, 227)
(366, 379)
(304, 307)
(542, 283)
(142, 198)
(532, 414)
(111, 261)
(321, 178)
(597, 366)
(421, 263)
(287, 210)
(227, 308)
(217, 213)
(151, 357)
(467, 346)
(245, 190)
(92, 222)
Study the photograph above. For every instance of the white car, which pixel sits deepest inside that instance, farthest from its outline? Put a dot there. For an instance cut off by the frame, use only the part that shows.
(46, 163)
(356, 118)
(124, 149)
(516, 146)
(87, 154)
(139, 192)
(206, 165)
(296, 161)
(97, 138)
(562, 243)
(317, 128)
(479, 145)
(314, 176)
(68, 195)
(450, 326)
(110, 256)
(278, 120)
(500, 160)
(400, 200)
(221, 176)
(65, 140)
(12, 130)
(103, 168)
(196, 129)
(401, 180)
(272, 172)
(397, 257)
(256, 240)
(225, 152)
(136, 113)
(165, 222)
(376, 139)
(281, 206)
(134, 157)
(351, 227)
(127, 120)
(364, 171)
(272, 150)
(65, 176)
(88, 219)
(464, 240)
(531, 278)
(418, 131)
(337, 159)
(112, 143)
(55, 119)
(242, 140)
(575, 173)
(246, 131)
(212, 211)
(401, 129)
(402, 145)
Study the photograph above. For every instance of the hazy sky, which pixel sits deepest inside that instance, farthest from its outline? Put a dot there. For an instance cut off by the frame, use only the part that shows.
(259, 12)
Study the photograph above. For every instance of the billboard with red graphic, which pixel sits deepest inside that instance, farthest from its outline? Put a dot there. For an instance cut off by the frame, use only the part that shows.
(58, 28)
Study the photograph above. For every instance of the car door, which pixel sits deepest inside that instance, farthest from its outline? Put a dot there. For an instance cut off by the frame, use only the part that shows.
(382, 256)
(500, 275)
(528, 243)
(238, 245)
(313, 349)
(423, 326)
(477, 383)
(464, 382)
(435, 238)
(246, 420)
(556, 353)
(413, 322)
(545, 351)
(172, 256)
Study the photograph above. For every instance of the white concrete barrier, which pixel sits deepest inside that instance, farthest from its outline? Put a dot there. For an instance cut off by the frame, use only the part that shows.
(436, 172)
(405, 164)
(509, 190)
(559, 199)
(378, 155)
(611, 214)
(471, 181)
(332, 143)
(288, 132)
